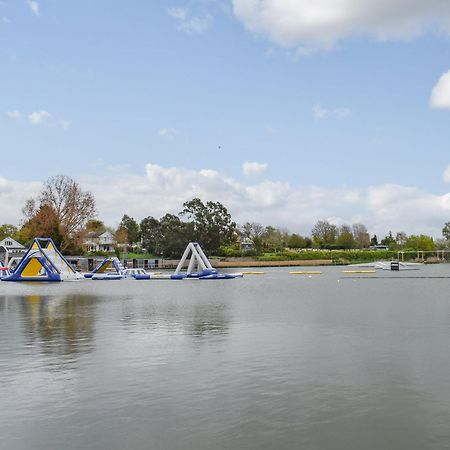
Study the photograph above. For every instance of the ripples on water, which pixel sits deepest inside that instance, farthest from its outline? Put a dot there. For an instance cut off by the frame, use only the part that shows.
(265, 362)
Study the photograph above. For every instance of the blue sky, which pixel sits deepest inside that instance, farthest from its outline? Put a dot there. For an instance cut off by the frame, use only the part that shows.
(332, 104)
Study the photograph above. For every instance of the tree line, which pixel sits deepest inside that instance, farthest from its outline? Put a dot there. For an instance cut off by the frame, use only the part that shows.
(67, 214)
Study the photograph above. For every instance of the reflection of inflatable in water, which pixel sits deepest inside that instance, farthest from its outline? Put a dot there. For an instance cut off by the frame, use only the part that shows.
(43, 262)
(109, 269)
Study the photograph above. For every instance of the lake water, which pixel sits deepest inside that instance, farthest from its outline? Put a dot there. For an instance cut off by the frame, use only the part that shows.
(266, 362)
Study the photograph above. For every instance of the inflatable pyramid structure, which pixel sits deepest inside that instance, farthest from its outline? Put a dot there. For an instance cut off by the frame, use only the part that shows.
(199, 266)
(43, 262)
(108, 269)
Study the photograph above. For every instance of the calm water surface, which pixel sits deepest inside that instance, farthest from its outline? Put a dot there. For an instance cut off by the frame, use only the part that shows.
(266, 362)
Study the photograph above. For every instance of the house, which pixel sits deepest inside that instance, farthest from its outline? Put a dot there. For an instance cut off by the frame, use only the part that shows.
(379, 247)
(246, 244)
(99, 242)
(10, 248)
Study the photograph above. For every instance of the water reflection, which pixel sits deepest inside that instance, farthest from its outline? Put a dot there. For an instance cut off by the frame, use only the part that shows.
(61, 326)
(210, 320)
(188, 319)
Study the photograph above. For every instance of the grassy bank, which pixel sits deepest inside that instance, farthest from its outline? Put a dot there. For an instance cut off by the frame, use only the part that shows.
(336, 256)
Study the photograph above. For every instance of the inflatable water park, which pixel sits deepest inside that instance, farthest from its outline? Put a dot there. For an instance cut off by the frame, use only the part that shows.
(44, 262)
(198, 267)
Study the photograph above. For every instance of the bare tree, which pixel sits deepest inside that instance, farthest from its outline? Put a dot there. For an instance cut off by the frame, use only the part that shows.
(361, 235)
(72, 207)
(255, 232)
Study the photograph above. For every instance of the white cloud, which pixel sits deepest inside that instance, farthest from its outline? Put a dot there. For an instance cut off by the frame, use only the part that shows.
(178, 13)
(161, 189)
(321, 113)
(13, 195)
(446, 174)
(15, 115)
(319, 24)
(169, 133)
(254, 168)
(440, 96)
(39, 117)
(191, 24)
(34, 7)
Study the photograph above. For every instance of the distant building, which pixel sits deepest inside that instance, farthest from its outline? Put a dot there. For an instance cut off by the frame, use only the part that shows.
(99, 242)
(10, 248)
(379, 247)
(246, 244)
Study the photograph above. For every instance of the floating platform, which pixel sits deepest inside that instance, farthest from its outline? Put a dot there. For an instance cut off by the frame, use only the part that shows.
(306, 272)
(359, 271)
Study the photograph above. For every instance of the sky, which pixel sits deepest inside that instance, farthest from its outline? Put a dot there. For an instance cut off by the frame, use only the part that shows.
(287, 112)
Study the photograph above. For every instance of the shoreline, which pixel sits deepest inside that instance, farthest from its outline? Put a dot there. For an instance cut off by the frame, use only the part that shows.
(294, 263)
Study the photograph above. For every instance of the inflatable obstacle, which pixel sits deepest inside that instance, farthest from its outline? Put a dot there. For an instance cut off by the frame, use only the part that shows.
(43, 262)
(109, 269)
(199, 268)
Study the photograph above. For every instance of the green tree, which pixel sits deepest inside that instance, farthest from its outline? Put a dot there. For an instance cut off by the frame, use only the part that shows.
(446, 231)
(345, 238)
(211, 224)
(132, 228)
(275, 240)
(374, 240)
(389, 241)
(175, 235)
(297, 241)
(7, 230)
(324, 234)
(151, 234)
(420, 242)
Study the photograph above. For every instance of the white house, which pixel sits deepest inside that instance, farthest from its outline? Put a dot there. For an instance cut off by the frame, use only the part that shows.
(10, 248)
(95, 242)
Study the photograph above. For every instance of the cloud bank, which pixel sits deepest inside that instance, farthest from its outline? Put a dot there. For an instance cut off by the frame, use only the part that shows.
(161, 189)
(318, 24)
